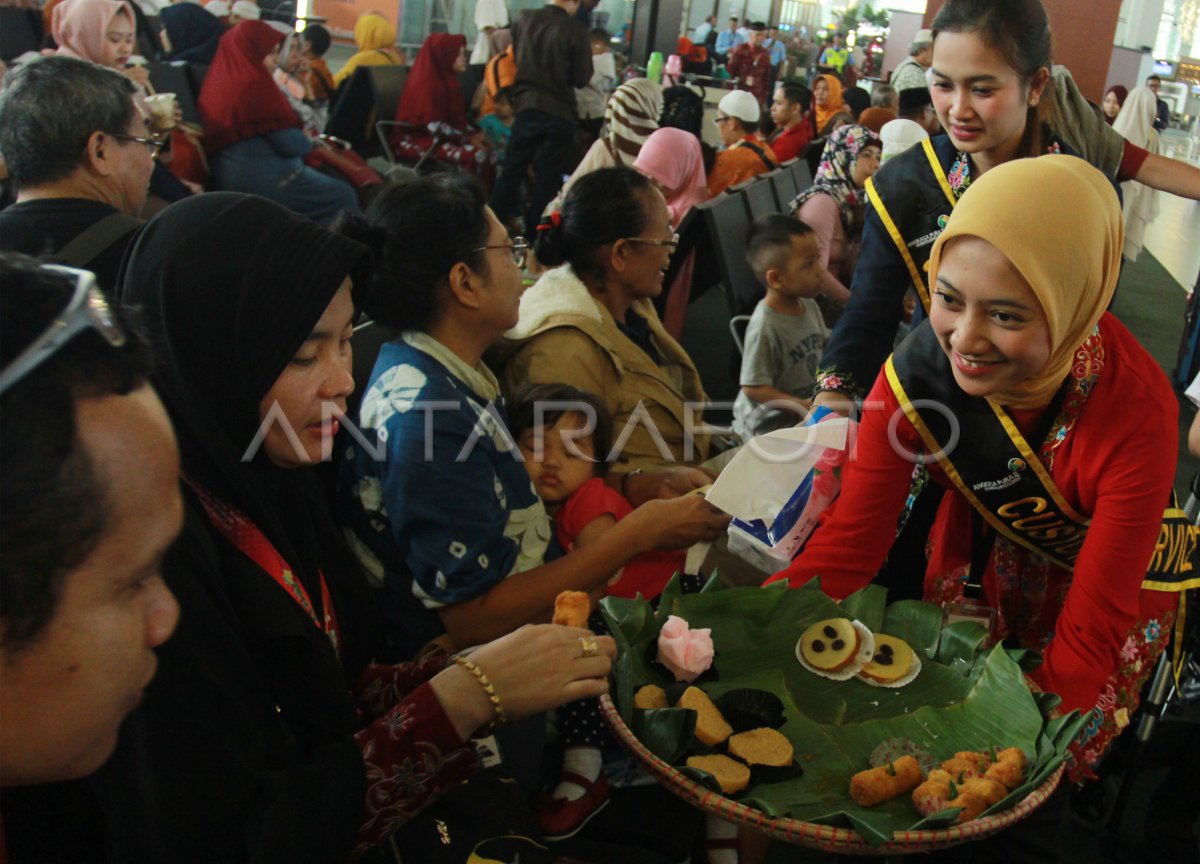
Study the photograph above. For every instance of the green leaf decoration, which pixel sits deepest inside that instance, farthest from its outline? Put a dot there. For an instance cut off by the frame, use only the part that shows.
(666, 732)
(867, 605)
(965, 698)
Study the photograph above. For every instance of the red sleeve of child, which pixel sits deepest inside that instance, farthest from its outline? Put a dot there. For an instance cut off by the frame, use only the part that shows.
(589, 502)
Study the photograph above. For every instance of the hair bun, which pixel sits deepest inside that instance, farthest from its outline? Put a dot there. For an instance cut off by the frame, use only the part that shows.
(550, 240)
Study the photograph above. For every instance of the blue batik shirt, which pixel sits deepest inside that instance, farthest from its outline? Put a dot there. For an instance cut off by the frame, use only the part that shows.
(449, 511)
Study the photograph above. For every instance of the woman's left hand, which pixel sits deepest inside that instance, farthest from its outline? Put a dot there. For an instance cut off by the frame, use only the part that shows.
(666, 483)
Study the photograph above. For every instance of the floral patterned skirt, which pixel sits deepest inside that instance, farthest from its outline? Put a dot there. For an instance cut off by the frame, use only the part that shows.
(1121, 694)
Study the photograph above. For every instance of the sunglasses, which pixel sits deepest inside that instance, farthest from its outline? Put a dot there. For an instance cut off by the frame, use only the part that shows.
(88, 308)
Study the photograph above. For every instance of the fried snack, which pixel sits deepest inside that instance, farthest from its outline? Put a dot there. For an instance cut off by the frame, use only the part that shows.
(990, 791)
(966, 765)
(830, 645)
(711, 727)
(876, 785)
(731, 775)
(650, 696)
(1009, 767)
(762, 746)
(892, 661)
(571, 608)
(972, 805)
(983, 759)
(932, 795)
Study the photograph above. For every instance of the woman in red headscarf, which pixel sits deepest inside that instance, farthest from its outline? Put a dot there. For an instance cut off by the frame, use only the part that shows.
(432, 94)
(1114, 101)
(255, 140)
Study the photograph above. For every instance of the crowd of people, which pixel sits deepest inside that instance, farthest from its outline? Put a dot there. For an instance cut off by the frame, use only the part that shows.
(260, 602)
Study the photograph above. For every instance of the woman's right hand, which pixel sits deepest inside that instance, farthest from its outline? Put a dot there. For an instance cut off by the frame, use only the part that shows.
(835, 400)
(533, 669)
(139, 75)
(676, 523)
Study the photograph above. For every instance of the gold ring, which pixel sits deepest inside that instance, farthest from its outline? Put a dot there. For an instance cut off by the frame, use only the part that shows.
(589, 646)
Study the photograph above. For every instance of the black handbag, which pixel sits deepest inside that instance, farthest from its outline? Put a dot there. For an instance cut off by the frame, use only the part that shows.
(488, 819)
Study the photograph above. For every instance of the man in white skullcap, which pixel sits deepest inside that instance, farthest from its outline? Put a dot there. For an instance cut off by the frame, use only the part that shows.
(743, 154)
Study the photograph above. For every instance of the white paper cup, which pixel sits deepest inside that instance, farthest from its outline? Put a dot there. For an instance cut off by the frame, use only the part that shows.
(162, 110)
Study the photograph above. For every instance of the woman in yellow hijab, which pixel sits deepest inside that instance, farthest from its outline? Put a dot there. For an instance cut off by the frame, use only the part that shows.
(1017, 394)
(376, 40)
(827, 101)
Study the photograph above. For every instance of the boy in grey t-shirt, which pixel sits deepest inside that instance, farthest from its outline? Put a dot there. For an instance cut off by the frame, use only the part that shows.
(786, 334)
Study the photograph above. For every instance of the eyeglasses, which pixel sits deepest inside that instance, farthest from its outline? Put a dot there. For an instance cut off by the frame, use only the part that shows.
(88, 308)
(517, 248)
(719, 119)
(151, 144)
(671, 244)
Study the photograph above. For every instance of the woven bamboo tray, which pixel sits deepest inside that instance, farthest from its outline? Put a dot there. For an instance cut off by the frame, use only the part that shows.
(825, 837)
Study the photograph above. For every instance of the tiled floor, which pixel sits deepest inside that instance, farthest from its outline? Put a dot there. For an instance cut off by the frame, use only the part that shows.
(1174, 237)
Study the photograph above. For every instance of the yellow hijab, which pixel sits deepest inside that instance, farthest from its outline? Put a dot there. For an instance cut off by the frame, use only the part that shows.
(376, 39)
(373, 31)
(1056, 218)
(833, 102)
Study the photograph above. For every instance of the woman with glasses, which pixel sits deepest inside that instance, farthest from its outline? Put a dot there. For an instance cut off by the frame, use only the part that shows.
(590, 321)
(438, 500)
(254, 139)
(272, 734)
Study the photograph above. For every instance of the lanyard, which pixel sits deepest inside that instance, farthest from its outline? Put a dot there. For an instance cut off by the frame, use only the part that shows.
(249, 539)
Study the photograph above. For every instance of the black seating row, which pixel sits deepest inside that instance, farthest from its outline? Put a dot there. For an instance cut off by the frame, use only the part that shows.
(372, 94)
(20, 31)
(722, 225)
(184, 80)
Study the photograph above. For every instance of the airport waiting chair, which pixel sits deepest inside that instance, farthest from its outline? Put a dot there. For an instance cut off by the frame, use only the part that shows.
(20, 32)
(760, 197)
(176, 77)
(371, 94)
(783, 181)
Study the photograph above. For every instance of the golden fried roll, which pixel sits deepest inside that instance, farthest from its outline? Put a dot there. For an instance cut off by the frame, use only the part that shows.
(1009, 768)
(571, 608)
(983, 759)
(990, 791)
(731, 775)
(650, 696)
(972, 805)
(932, 795)
(711, 727)
(961, 768)
(876, 785)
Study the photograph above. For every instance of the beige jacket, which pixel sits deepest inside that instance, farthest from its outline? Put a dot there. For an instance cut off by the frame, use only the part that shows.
(564, 336)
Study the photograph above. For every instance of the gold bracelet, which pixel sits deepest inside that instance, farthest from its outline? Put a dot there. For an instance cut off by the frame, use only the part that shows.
(498, 716)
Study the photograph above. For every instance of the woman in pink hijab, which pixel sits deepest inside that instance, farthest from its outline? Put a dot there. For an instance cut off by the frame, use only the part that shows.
(672, 159)
(102, 31)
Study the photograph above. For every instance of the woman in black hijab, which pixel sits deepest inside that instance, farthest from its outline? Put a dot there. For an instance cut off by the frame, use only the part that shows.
(270, 736)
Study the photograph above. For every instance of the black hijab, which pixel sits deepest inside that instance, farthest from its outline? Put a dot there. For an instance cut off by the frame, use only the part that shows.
(231, 285)
(193, 31)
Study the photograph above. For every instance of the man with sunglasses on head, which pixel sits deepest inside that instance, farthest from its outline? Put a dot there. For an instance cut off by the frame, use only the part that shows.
(89, 472)
(80, 156)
